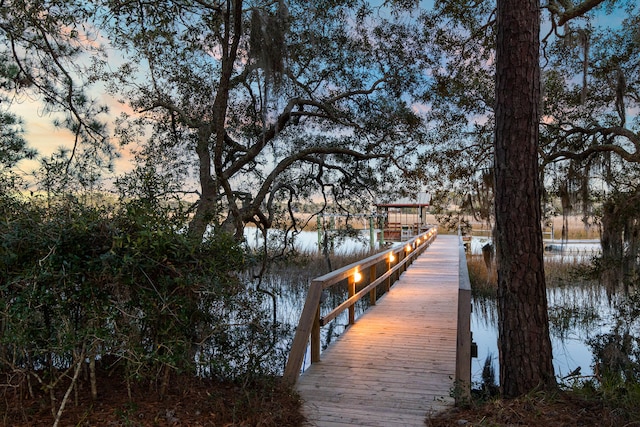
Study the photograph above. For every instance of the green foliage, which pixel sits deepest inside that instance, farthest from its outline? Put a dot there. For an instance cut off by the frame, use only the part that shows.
(617, 353)
(126, 287)
(13, 147)
(619, 265)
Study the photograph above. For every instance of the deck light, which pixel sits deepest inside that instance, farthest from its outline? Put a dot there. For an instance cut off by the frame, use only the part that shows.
(357, 276)
(407, 248)
(391, 257)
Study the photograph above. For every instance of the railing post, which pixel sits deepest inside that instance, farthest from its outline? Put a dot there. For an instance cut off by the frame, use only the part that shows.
(315, 338)
(308, 326)
(389, 266)
(373, 275)
(404, 264)
(352, 307)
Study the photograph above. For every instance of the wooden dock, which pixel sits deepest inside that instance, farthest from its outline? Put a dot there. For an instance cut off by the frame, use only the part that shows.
(397, 363)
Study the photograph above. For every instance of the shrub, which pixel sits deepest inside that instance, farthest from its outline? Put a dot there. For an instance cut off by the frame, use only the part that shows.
(124, 289)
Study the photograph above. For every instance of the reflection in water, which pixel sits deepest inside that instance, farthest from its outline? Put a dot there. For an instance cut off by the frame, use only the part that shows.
(290, 285)
(291, 293)
(576, 314)
(484, 327)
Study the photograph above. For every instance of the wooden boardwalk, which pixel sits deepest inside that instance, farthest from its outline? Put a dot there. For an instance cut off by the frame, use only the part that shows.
(397, 363)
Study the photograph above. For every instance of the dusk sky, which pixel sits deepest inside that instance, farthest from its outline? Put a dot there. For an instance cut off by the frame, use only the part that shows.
(46, 138)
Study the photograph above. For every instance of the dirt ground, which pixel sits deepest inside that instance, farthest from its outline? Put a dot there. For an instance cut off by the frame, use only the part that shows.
(189, 402)
(197, 402)
(558, 410)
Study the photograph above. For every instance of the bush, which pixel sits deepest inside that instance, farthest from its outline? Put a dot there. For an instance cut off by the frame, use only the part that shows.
(122, 289)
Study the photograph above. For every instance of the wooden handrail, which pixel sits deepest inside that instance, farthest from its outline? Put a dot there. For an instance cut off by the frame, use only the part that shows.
(464, 351)
(310, 319)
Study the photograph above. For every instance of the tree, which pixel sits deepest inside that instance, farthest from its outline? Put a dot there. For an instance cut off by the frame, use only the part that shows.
(461, 91)
(463, 36)
(523, 323)
(620, 239)
(271, 103)
(43, 55)
(591, 135)
(13, 148)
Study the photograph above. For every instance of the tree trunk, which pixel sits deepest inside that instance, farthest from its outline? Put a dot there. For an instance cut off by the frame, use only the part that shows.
(207, 209)
(523, 326)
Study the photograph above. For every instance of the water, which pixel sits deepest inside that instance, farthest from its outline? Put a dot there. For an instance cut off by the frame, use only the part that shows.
(554, 250)
(307, 241)
(291, 294)
(576, 313)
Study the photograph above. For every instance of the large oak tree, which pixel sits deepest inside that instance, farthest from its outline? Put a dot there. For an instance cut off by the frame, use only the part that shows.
(590, 134)
(273, 102)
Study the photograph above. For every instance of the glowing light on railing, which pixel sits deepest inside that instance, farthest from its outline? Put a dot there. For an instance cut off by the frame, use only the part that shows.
(407, 248)
(391, 257)
(357, 276)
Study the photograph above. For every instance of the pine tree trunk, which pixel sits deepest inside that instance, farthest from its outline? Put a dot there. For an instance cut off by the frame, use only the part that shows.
(524, 343)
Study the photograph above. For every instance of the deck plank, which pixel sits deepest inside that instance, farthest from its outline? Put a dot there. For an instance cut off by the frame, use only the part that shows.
(396, 364)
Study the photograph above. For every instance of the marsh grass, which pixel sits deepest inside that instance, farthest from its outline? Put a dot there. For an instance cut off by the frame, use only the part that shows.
(288, 280)
(302, 267)
(484, 281)
(578, 301)
(558, 273)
